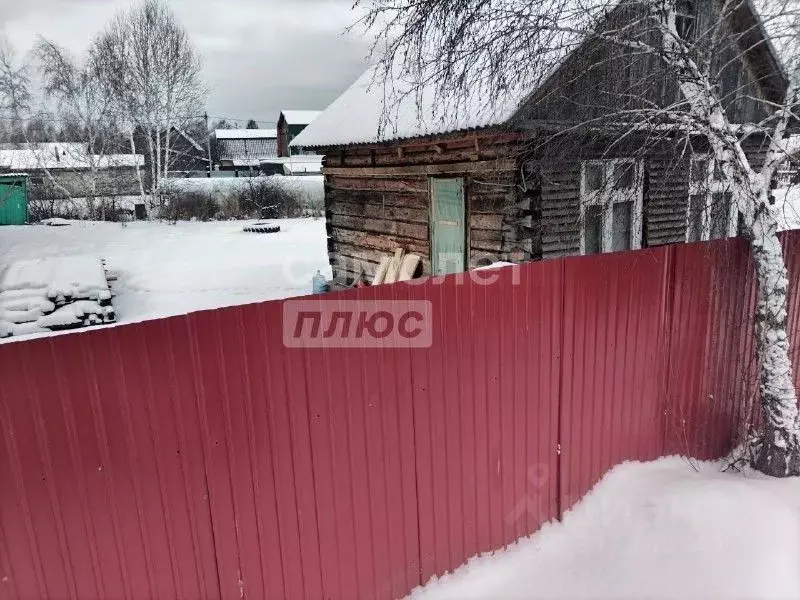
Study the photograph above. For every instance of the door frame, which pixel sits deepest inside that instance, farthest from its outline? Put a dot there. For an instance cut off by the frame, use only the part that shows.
(467, 228)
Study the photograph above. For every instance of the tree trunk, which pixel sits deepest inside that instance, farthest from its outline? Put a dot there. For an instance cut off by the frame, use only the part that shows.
(166, 152)
(158, 169)
(138, 169)
(153, 179)
(777, 453)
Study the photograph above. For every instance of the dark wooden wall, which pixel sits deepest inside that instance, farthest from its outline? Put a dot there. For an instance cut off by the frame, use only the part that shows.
(666, 188)
(666, 181)
(603, 78)
(377, 199)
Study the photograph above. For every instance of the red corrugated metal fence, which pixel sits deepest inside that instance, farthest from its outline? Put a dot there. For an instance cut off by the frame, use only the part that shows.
(197, 457)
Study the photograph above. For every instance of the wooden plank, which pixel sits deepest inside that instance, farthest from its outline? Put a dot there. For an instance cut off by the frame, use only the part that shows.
(381, 226)
(380, 185)
(392, 199)
(486, 221)
(463, 167)
(382, 243)
(376, 211)
(486, 235)
(409, 267)
(497, 135)
(486, 246)
(364, 254)
(394, 266)
(383, 268)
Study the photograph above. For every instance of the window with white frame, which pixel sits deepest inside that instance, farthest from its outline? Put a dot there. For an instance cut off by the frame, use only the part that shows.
(711, 212)
(611, 205)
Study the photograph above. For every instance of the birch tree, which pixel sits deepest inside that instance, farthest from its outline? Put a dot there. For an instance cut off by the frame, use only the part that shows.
(84, 103)
(155, 72)
(15, 95)
(468, 56)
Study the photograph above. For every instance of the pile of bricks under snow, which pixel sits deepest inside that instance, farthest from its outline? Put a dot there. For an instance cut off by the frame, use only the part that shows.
(52, 294)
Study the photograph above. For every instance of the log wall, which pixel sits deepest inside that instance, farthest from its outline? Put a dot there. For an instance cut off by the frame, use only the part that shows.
(377, 199)
(518, 209)
(665, 197)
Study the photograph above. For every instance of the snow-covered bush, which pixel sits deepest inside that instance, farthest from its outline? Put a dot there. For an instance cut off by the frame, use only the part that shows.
(244, 197)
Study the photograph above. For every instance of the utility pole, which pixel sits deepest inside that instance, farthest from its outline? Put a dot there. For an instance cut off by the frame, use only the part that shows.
(208, 144)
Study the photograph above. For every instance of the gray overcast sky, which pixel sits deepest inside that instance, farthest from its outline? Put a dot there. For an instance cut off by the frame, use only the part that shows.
(259, 56)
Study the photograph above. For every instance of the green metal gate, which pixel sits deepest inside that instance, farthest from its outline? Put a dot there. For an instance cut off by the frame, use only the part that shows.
(13, 199)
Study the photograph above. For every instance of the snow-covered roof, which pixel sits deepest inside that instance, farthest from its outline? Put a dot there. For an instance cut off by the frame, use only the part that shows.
(300, 117)
(372, 111)
(247, 150)
(58, 156)
(356, 116)
(245, 134)
(297, 164)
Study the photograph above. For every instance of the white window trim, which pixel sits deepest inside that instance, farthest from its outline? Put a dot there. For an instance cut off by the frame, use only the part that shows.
(606, 198)
(707, 189)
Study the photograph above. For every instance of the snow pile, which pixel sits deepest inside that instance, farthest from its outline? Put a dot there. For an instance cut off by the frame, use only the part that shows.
(651, 531)
(54, 293)
(56, 222)
(163, 269)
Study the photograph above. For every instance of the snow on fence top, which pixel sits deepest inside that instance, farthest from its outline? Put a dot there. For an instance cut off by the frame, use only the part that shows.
(300, 117)
(245, 134)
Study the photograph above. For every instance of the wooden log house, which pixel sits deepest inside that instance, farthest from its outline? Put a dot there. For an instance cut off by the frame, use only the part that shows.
(545, 176)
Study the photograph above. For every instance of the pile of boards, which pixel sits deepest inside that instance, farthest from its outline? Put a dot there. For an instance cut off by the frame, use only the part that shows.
(397, 267)
(56, 293)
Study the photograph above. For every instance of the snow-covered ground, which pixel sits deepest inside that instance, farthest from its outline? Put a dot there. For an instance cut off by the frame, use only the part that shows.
(165, 269)
(651, 531)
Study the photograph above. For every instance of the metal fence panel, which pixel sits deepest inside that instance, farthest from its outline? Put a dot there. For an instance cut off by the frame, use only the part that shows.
(197, 456)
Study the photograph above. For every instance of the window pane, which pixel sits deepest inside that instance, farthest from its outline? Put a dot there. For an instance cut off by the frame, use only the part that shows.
(622, 226)
(624, 175)
(699, 170)
(696, 206)
(593, 228)
(684, 25)
(718, 175)
(595, 176)
(720, 210)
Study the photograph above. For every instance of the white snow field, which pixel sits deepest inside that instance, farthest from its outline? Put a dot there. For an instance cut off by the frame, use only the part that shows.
(165, 269)
(651, 531)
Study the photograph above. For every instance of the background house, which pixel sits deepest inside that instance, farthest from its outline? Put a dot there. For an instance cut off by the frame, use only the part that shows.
(183, 156)
(523, 180)
(244, 149)
(290, 124)
(65, 179)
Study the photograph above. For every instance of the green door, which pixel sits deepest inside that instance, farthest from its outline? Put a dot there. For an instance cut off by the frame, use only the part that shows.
(13, 201)
(448, 222)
